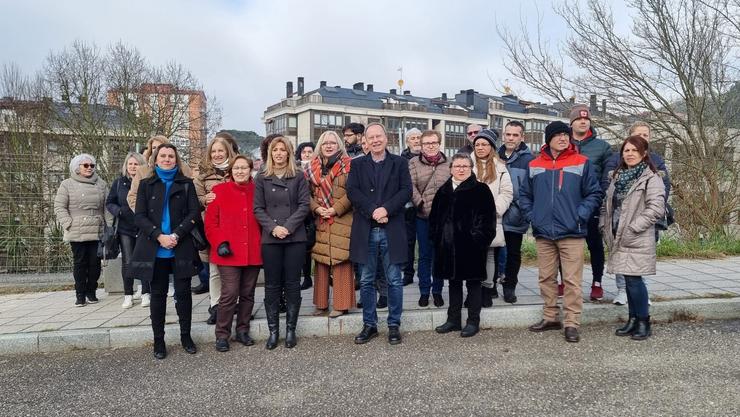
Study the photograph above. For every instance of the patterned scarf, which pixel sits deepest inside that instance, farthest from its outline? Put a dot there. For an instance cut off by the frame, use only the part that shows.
(627, 178)
(323, 183)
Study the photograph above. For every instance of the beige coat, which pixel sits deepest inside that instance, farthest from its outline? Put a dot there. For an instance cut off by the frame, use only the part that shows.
(143, 172)
(425, 181)
(632, 249)
(332, 241)
(79, 207)
(204, 185)
(503, 194)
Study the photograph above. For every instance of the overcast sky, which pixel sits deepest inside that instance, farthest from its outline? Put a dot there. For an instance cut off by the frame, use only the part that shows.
(243, 52)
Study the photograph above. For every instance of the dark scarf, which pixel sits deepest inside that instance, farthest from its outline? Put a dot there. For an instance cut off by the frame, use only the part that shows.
(432, 160)
(626, 178)
(329, 163)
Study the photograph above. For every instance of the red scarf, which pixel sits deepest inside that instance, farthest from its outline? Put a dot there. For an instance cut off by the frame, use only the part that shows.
(323, 185)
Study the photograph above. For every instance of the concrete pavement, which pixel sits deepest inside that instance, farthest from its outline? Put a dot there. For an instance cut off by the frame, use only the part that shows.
(48, 321)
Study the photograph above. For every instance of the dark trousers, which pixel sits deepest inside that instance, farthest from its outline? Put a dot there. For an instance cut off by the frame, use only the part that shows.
(410, 217)
(637, 297)
(456, 301)
(307, 265)
(86, 269)
(163, 267)
(237, 284)
(127, 249)
(282, 263)
(513, 259)
(595, 247)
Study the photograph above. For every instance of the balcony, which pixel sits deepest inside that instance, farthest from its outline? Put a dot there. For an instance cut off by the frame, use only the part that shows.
(404, 106)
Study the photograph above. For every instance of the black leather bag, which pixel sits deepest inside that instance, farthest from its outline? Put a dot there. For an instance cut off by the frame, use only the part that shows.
(198, 232)
(109, 247)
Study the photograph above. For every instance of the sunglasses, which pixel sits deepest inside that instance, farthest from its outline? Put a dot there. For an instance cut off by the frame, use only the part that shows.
(87, 165)
(473, 133)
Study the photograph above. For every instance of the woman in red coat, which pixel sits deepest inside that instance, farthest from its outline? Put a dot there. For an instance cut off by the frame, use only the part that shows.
(234, 235)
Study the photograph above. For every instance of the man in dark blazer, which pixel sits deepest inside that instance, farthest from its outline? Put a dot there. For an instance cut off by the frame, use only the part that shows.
(379, 185)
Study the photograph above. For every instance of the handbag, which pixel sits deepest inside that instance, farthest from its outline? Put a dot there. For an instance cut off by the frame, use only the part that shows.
(198, 231)
(109, 246)
(664, 222)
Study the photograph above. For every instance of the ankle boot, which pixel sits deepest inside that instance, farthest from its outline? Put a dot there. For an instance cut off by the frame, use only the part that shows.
(273, 315)
(291, 320)
(642, 329)
(486, 297)
(307, 283)
(628, 327)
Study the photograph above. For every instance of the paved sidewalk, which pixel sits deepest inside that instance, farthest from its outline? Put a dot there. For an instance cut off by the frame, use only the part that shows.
(52, 315)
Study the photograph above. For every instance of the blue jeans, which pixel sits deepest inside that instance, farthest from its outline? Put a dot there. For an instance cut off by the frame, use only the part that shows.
(637, 297)
(426, 255)
(502, 253)
(203, 274)
(378, 247)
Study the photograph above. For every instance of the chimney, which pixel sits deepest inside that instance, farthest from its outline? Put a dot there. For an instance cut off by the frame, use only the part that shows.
(358, 86)
(370, 87)
(444, 96)
(592, 104)
(337, 86)
(300, 86)
(469, 98)
(406, 92)
(603, 108)
(393, 91)
(322, 83)
(289, 89)
(572, 100)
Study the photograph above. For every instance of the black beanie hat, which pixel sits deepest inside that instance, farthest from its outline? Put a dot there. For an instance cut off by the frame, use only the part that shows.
(488, 134)
(554, 128)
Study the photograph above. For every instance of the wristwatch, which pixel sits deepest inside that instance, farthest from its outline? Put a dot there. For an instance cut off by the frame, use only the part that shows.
(175, 236)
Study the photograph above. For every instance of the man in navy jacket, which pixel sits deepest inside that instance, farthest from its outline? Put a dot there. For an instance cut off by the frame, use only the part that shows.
(379, 185)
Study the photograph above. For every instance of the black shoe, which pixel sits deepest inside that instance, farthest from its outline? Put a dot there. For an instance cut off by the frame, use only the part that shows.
(424, 300)
(543, 325)
(200, 289)
(394, 335)
(359, 304)
(291, 321)
(382, 302)
(188, 344)
(222, 345)
(469, 330)
(642, 329)
(509, 295)
(80, 302)
(628, 328)
(486, 297)
(367, 333)
(160, 350)
(273, 324)
(494, 291)
(448, 327)
(213, 310)
(244, 339)
(307, 283)
(91, 298)
(438, 300)
(571, 335)
(408, 281)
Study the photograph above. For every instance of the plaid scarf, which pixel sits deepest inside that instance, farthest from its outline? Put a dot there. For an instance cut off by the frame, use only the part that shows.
(323, 183)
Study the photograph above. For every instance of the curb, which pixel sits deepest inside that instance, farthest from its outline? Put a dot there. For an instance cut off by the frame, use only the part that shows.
(349, 325)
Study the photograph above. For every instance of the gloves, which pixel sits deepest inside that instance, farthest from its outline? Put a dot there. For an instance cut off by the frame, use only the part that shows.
(224, 249)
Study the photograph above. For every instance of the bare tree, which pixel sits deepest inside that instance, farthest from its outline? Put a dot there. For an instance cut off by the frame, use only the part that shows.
(675, 69)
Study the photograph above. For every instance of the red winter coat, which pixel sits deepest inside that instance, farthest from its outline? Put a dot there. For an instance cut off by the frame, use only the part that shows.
(230, 218)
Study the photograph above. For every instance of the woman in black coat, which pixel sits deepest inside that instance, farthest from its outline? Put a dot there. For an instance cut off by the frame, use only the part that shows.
(281, 204)
(462, 225)
(166, 211)
(118, 206)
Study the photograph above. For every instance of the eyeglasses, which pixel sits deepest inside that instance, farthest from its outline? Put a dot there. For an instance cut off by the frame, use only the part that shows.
(86, 166)
(461, 167)
(429, 143)
(473, 132)
(329, 144)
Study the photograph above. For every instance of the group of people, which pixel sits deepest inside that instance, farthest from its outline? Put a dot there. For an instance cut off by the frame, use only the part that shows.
(358, 212)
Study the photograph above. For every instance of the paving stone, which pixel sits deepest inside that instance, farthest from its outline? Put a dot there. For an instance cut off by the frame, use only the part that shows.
(84, 324)
(45, 327)
(64, 340)
(13, 328)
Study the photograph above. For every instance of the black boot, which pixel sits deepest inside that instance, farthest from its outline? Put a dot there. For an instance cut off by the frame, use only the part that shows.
(160, 349)
(307, 283)
(291, 320)
(213, 315)
(509, 295)
(486, 297)
(628, 327)
(273, 323)
(283, 307)
(642, 329)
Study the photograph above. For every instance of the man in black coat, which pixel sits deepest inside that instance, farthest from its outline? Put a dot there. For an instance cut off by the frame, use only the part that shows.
(379, 185)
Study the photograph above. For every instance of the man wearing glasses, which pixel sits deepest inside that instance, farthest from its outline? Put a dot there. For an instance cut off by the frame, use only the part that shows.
(558, 197)
(352, 138)
(472, 131)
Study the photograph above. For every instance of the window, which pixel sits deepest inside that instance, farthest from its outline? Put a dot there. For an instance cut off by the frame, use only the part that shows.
(411, 123)
(455, 137)
(323, 121)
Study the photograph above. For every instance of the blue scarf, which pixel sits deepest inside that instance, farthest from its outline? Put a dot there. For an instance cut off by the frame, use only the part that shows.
(168, 177)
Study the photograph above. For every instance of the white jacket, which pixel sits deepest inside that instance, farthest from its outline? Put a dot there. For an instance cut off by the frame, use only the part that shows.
(503, 195)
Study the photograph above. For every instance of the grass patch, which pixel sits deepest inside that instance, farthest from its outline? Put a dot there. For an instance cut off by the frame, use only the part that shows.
(18, 289)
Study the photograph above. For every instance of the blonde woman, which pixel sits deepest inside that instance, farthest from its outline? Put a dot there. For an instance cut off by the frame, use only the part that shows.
(327, 177)
(489, 169)
(281, 204)
(219, 155)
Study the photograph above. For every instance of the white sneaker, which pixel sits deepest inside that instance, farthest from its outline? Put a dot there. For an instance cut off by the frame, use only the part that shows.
(171, 291)
(145, 300)
(137, 294)
(621, 298)
(128, 301)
